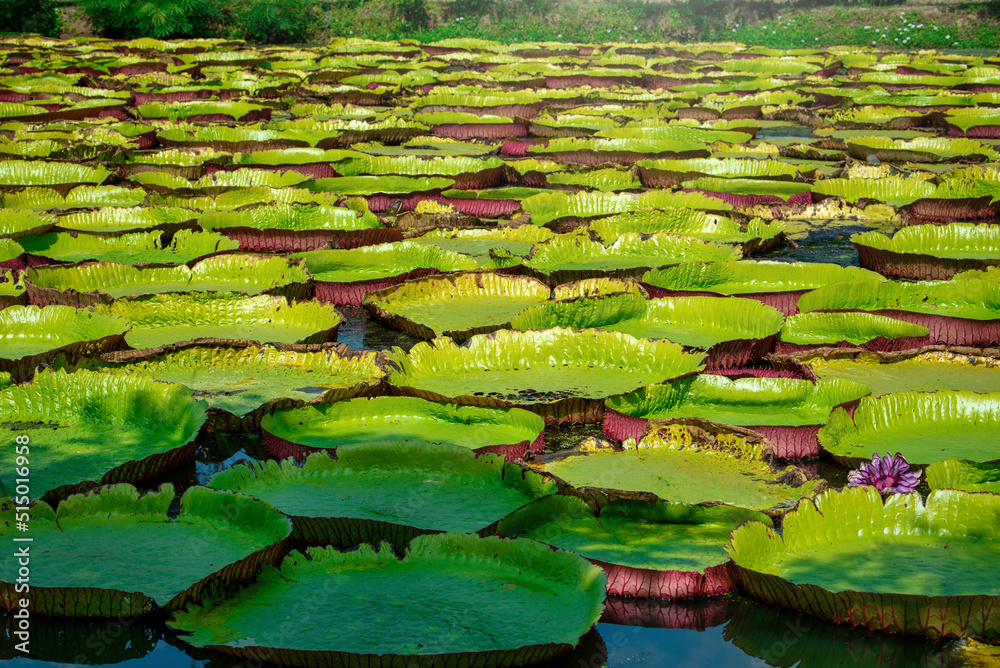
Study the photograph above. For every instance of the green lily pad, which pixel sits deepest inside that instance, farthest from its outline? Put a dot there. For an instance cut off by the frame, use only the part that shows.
(852, 558)
(388, 491)
(923, 427)
(760, 276)
(29, 331)
(245, 274)
(479, 243)
(103, 427)
(110, 220)
(666, 550)
(817, 329)
(140, 247)
(458, 306)
(93, 555)
(917, 372)
(669, 465)
(159, 320)
(536, 368)
(240, 381)
(745, 402)
(964, 475)
(485, 586)
(380, 261)
(404, 420)
(698, 322)
(566, 256)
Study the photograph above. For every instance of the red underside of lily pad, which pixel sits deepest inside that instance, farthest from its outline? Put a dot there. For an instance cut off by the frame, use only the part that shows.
(647, 583)
(879, 344)
(918, 266)
(294, 241)
(353, 293)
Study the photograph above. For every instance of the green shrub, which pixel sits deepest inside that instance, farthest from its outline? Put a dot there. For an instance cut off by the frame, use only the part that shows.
(274, 21)
(163, 19)
(29, 16)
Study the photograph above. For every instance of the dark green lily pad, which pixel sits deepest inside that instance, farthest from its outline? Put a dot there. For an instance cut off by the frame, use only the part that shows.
(486, 587)
(375, 492)
(662, 550)
(925, 427)
(901, 566)
(87, 426)
(93, 556)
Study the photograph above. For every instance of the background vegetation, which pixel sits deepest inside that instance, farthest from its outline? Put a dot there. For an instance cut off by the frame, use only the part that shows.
(775, 23)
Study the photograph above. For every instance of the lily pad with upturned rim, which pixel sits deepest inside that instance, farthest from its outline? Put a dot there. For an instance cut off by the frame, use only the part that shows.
(240, 384)
(458, 306)
(135, 248)
(561, 374)
(867, 330)
(32, 335)
(788, 412)
(159, 320)
(383, 491)
(852, 557)
(930, 252)
(103, 282)
(510, 432)
(919, 371)
(571, 257)
(778, 284)
(87, 428)
(485, 586)
(925, 427)
(672, 463)
(346, 276)
(661, 550)
(94, 553)
(733, 331)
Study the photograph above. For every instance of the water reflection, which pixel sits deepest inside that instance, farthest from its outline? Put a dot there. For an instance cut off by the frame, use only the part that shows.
(726, 632)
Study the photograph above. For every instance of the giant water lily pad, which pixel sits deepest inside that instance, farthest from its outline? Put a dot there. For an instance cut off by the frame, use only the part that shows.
(87, 426)
(571, 257)
(962, 311)
(298, 227)
(902, 565)
(137, 248)
(787, 411)
(345, 276)
(388, 491)
(923, 427)
(485, 586)
(30, 335)
(159, 320)
(916, 371)
(109, 542)
(964, 475)
(115, 220)
(91, 283)
(479, 242)
(672, 464)
(458, 306)
(561, 373)
(240, 383)
(870, 331)
(733, 331)
(928, 252)
(662, 550)
(776, 283)
(402, 420)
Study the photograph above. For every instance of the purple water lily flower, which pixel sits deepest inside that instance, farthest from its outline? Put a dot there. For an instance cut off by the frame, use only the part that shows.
(887, 474)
